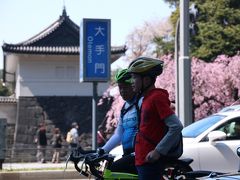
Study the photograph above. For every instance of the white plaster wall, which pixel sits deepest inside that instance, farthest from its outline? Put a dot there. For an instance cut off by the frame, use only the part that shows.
(50, 88)
(41, 75)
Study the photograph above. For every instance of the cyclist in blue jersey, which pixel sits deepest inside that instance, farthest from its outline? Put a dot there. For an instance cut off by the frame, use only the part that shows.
(127, 127)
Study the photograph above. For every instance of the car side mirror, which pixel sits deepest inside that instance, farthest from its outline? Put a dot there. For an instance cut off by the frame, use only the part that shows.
(238, 151)
(216, 135)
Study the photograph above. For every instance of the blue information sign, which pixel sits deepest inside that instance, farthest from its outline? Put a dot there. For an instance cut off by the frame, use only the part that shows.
(95, 53)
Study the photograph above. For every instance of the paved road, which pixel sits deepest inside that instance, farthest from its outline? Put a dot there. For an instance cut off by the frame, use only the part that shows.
(39, 171)
(35, 165)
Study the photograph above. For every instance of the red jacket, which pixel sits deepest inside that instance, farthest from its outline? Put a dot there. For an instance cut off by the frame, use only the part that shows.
(155, 108)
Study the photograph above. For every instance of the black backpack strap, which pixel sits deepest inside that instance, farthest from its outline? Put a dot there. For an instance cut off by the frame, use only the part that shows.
(124, 111)
(136, 104)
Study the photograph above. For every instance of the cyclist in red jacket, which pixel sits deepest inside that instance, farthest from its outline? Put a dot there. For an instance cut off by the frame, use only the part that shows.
(159, 135)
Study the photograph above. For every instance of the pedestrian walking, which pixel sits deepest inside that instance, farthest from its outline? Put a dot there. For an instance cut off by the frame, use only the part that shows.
(41, 140)
(57, 145)
(72, 136)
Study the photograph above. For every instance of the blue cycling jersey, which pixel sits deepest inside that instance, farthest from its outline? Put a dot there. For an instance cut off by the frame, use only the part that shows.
(127, 128)
(129, 124)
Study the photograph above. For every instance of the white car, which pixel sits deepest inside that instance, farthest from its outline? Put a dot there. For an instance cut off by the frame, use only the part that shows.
(212, 142)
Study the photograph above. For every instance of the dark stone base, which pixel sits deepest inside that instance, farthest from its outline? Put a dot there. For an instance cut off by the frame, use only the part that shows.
(55, 112)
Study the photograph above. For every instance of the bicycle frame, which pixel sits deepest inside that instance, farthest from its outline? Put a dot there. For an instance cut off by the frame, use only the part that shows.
(108, 174)
(97, 165)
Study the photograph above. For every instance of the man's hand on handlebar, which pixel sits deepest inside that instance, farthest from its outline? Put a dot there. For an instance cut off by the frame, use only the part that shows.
(100, 151)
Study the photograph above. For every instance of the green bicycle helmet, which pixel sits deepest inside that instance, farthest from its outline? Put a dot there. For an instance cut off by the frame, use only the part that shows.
(146, 66)
(123, 76)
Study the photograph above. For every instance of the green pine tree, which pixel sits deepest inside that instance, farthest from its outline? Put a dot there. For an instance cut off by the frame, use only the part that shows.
(4, 91)
(218, 28)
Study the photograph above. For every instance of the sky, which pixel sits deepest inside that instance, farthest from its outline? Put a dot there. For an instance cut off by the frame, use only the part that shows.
(23, 19)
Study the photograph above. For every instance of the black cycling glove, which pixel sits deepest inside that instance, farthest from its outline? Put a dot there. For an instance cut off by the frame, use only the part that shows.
(100, 151)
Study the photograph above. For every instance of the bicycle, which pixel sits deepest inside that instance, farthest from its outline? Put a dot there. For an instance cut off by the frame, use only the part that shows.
(93, 164)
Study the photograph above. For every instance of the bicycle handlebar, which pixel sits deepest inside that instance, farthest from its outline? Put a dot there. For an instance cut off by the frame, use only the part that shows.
(90, 159)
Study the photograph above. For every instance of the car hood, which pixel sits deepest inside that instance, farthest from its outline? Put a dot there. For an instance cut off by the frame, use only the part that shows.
(231, 176)
(188, 140)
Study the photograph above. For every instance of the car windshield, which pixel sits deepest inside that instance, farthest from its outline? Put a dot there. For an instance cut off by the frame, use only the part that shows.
(193, 130)
(231, 108)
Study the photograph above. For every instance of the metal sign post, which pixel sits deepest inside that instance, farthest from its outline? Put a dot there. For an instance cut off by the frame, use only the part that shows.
(94, 119)
(95, 44)
(184, 67)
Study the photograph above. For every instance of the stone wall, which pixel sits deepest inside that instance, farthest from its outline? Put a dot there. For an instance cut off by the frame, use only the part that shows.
(55, 112)
(8, 111)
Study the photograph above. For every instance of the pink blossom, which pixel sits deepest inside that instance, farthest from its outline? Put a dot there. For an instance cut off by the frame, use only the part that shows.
(214, 86)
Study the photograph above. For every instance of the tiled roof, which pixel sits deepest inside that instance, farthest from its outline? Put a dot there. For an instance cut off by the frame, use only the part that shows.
(4, 99)
(61, 37)
(53, 49)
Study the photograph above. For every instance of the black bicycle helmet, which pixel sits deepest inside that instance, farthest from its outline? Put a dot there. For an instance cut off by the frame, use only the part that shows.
(146, 66)
(123, 76)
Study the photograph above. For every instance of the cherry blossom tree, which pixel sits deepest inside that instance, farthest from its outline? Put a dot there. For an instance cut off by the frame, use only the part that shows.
(214, 85)
(140, 40)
